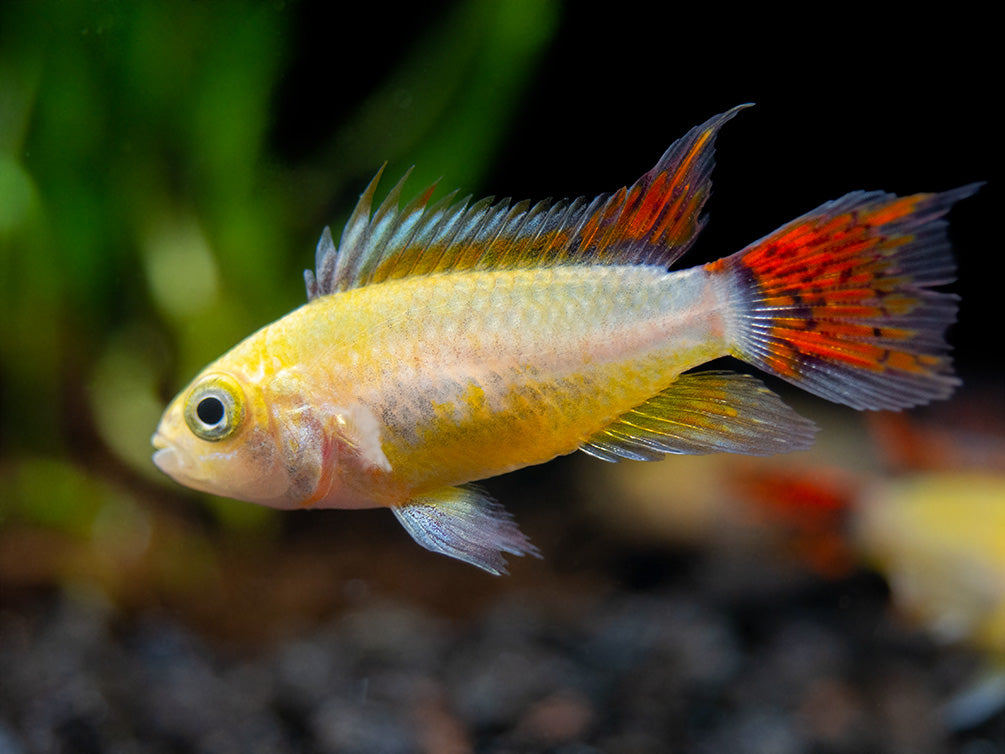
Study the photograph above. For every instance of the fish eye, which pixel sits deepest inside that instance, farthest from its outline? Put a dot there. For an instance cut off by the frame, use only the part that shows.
(210, 410)
(214, 409)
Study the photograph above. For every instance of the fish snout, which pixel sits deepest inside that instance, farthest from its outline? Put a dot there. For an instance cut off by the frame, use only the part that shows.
(167, 457)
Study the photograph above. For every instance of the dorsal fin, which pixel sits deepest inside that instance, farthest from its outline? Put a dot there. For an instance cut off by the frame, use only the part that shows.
(653, 222)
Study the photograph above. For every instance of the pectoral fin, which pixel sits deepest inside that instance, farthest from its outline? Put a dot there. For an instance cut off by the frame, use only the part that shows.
(465, 523)
(360, 431)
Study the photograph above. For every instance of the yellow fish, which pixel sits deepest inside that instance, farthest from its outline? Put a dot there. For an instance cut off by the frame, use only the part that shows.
(448, 342)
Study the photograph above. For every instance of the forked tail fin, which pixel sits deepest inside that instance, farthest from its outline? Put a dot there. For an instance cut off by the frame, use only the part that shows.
(839, 301)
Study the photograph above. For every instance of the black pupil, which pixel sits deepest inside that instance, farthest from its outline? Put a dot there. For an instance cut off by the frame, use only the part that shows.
(210, 411)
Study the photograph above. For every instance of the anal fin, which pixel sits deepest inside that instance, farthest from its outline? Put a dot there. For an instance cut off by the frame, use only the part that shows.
(705, 412)
(464, 523)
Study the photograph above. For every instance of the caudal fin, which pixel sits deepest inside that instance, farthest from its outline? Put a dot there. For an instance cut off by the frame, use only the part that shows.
(839, 301)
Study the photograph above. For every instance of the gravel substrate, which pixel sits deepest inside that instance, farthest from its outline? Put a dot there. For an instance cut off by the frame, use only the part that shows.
(672, 666)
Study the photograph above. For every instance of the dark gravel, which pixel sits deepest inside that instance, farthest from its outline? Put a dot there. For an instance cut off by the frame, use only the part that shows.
(788, 667)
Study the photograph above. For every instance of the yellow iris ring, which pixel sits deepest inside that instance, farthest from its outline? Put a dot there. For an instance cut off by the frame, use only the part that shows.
(214, 408)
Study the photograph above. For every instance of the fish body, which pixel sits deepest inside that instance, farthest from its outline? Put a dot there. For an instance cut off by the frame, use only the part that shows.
(449, 342)
(939, 538)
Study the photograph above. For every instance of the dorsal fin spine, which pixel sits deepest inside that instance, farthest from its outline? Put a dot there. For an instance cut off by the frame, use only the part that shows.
(482, 249)
(515, 221)
(444, 236)
(424, 235)
(542, 216)
(482, 231)
(605, 221)
(584, 211)
(354, 234)
(470, 223)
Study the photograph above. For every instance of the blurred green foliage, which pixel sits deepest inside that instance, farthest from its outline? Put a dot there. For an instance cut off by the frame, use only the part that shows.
(147, 222)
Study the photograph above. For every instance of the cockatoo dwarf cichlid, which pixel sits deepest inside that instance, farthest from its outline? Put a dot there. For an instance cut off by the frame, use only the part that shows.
(446, 342)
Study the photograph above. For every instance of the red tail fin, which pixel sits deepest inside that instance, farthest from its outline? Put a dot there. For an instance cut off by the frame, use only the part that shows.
(838, 301)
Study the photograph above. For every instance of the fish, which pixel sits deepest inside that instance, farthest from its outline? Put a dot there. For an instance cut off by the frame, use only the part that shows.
(445, 342)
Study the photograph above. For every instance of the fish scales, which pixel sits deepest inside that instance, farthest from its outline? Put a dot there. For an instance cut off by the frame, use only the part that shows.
(537, 359)
(448, 342)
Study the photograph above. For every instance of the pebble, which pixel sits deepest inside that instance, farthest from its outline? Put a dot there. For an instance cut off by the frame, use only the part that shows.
(662, 669)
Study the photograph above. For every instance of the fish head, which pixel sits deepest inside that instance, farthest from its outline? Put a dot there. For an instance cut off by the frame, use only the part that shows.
(217, 436)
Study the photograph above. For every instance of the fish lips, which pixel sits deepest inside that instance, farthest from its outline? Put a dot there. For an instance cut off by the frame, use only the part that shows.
(168, 458)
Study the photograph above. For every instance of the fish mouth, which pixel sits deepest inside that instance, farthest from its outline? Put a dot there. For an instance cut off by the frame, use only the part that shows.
(166, 457)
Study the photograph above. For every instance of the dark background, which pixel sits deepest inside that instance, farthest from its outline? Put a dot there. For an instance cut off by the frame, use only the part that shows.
(858, 97)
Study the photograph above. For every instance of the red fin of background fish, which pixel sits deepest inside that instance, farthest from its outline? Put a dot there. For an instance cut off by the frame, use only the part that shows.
(967, 433)
(839, 301)
(653, 222)
(810, 506)
(705, 412)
